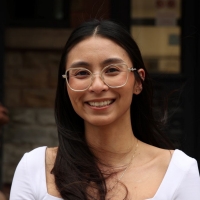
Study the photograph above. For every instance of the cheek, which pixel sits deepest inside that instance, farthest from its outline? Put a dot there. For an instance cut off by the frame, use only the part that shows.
(127, 92)
(130, 90)
(72, 96)
(131, 84)
(75, 98)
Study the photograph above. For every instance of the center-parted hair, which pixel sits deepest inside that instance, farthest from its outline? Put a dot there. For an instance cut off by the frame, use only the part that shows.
(75, 168)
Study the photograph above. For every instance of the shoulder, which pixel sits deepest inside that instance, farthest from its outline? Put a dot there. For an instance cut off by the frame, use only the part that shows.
(185, 168)
(156, 156)
(182, 161)
(36, 151)
(181, 175)
(186, 171)
(32, 160)
(173, 161)
(35, 155)
(29, 177)
(37, 158)
(176, 161)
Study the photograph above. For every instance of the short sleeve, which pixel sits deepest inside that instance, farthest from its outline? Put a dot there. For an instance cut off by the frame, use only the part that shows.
(189, 187)
(20, 188)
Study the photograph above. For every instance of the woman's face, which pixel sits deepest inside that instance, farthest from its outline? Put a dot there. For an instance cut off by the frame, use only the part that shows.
(100, 105)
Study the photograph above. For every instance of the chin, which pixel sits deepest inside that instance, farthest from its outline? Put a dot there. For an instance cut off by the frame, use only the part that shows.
(99, 122)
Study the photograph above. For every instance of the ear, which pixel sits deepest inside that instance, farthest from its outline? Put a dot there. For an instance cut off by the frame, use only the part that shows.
(138, 83)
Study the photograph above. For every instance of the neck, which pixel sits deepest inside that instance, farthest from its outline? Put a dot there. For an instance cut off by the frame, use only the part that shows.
(112, 145)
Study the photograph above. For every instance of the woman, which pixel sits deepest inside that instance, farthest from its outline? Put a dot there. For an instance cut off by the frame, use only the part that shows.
(110, 146)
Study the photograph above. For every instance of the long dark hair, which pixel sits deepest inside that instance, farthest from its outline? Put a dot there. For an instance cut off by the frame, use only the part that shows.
(75, 166)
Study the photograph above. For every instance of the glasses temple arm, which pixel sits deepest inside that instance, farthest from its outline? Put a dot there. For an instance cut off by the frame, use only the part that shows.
(64, 76)
(132, 69)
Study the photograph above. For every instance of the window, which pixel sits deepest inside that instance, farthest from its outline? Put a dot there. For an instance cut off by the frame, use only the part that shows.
(155, 27)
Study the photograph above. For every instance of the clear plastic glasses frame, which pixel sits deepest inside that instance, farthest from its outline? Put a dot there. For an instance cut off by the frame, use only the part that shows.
(114, 76)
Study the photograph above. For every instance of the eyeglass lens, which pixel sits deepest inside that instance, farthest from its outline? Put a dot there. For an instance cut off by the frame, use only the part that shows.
(112, 75)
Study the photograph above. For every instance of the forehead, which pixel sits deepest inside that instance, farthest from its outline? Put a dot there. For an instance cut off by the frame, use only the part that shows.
(96, 49)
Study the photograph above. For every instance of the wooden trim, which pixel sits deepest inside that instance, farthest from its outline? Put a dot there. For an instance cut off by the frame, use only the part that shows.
(36, 38)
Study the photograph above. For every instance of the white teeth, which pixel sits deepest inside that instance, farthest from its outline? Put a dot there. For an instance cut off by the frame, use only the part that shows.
(100, 104)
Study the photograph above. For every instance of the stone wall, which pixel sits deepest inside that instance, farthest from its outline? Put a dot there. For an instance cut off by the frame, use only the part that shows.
(31, 64)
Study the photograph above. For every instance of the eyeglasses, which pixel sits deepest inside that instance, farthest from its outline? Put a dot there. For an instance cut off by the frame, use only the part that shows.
(114, 76)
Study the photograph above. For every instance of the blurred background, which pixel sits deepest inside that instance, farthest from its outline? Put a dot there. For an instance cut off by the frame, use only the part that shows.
(32, 36)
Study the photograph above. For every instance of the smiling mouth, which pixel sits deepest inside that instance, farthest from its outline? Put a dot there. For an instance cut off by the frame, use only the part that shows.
(100, 103)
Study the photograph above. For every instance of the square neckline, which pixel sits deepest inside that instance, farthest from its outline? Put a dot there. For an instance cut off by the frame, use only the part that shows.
(157, 191)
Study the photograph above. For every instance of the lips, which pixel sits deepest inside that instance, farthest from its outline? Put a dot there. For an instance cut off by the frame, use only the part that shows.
(100, 103)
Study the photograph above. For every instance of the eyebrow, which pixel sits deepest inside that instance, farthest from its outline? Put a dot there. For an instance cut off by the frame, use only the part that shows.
(112, 60)
(105, 62)
(79, 63)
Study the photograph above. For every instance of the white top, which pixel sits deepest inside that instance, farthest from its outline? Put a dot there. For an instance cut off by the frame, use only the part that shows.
(181, 181)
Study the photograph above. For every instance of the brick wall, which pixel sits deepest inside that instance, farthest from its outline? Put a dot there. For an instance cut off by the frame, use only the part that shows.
(31, 64)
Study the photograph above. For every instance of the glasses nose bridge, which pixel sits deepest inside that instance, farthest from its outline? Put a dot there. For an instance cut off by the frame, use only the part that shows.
(97, 74)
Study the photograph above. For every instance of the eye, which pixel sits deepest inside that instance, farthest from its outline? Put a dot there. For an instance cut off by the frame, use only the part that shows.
(112, 70)
(79, 73)
(82, 73)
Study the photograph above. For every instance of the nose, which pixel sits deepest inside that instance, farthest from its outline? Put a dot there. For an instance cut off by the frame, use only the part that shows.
(97, 84)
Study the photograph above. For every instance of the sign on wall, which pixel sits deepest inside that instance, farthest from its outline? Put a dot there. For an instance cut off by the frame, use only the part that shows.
(166, 12)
